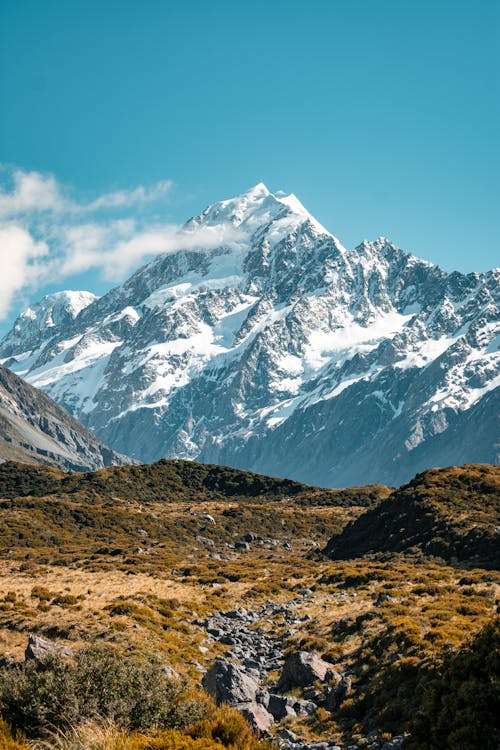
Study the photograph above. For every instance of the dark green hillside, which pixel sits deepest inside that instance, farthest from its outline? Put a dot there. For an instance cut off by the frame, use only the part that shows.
(460, 704)
(172, 480)
(451, 513)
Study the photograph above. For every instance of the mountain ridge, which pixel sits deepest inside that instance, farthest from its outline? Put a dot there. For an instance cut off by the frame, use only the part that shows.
(33, 428)
(271, 347)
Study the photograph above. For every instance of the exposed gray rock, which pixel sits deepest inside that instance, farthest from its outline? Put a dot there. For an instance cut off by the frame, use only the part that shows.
(40, 649)
(257, 715)
(227, 683)
(242, 546)
(281, 706)
(302, 669)
(305, 708)
(170, 673)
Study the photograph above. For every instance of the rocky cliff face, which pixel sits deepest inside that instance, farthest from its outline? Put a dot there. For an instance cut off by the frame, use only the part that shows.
(34, 429)
(281, 351)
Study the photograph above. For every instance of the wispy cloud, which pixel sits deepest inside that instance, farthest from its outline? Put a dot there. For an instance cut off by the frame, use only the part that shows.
(119, 247)
(48, 235)
(34, 193)
(30, 192)
(20, 255)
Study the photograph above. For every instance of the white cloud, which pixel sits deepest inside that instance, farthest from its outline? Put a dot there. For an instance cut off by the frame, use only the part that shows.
(48, 236)
(118, 248)
(125, 198)
(35, 193)
(18, 250)
(31, 192)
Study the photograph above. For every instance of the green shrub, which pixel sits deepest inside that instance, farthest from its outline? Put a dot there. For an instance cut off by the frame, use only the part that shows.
(132, 693)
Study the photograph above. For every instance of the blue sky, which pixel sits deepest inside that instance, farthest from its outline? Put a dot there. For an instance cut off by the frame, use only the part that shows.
(383, 117)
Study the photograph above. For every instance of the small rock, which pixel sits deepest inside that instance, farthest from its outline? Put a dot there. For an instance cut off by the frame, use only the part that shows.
(242, 546)
(170, 673)
(204, 540)
(41, 649)
(305, 708)
(248, 537)
(281, 706)
(287, 734)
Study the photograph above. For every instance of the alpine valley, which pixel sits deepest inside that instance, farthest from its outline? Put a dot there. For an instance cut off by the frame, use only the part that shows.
(181, 604)
(277, 350)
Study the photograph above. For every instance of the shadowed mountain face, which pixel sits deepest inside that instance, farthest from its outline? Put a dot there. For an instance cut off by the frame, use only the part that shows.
(278, 351)
(450, 513)
(34, 429)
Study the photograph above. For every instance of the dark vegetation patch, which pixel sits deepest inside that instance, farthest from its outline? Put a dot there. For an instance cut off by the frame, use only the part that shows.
(174, 480)
(450, 513)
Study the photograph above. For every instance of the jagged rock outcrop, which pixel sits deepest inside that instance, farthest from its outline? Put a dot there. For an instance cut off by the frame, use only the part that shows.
(228, 683)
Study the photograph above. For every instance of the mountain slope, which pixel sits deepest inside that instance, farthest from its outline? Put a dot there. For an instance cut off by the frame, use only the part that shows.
(34, 429)
(278, 350)
(451, 513)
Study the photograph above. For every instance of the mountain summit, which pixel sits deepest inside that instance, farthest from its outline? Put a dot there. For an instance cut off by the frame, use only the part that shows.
(267, 345)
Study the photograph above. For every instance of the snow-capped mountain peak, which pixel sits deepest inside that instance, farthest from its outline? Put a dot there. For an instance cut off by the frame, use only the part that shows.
(274, 348)
(35, 324)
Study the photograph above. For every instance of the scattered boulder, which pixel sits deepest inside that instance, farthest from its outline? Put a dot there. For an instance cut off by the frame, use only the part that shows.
(257, 716)
(250, 537)
(281, 706)
(302, 669)
(305, 708)
(227, 683)
(41, 649)
(337, 694)
(287, 735)
(242, 545)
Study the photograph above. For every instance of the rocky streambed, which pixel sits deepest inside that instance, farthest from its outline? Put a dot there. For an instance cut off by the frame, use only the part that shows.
(255, 677)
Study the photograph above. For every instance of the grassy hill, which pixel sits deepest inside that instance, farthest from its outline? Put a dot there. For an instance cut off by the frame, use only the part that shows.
(451, 513)
(174, 480)
(135, 557)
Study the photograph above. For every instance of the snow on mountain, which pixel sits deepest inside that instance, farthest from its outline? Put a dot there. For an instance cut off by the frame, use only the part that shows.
(39, 322)
(280, 351)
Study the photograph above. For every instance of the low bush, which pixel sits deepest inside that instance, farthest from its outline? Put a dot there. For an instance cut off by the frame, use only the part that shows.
(227, 727)
(132, 693)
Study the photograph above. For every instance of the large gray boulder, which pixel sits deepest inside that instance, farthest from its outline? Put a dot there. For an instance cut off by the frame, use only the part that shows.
(257, 716)
(40, 649)
(227, 683)
(302, 669)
